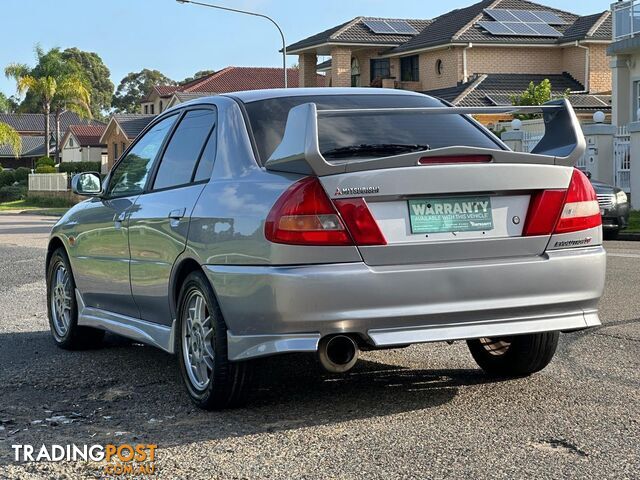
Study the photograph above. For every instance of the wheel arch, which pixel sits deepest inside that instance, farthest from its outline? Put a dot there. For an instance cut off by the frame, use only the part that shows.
(54, 244)
(182, 268)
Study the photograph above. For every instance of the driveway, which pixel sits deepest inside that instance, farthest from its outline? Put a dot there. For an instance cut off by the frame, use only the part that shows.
(421, 412)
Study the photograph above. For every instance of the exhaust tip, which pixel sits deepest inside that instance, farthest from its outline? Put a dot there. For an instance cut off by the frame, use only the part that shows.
(338, 353)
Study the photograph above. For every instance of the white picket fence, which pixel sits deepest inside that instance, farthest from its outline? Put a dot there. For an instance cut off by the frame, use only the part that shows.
(622, 158)
(48, 182)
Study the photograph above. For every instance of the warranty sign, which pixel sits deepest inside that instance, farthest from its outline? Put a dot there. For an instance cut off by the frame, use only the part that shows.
(464, 214)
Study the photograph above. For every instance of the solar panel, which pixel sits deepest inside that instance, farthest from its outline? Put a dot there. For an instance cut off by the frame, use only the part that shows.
(545, 30)
(525, 16)
(496, 28)
(402, 26)
(379, 26)
(521, 28)
(501, 15)
(549, 17)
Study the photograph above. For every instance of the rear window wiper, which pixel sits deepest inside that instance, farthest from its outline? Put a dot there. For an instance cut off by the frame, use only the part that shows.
(374, 148)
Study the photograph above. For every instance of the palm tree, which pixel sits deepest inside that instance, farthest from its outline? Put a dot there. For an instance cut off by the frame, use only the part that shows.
(57, 84)
(8, 136)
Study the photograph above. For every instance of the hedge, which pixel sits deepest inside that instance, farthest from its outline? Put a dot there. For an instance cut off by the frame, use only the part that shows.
(79, 167)
(12, 193)
(21, 175)
(46, 169)
(48, 161)
(7, 178)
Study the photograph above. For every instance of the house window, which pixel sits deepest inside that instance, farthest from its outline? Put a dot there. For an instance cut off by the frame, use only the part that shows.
(70, 142)
(146, 109)
(355, 72)
(124, 147)
(115, 151)
(160, 106)
(636, 113)
(409, 69)
(439, 67)
(380, 68)
(152, 108)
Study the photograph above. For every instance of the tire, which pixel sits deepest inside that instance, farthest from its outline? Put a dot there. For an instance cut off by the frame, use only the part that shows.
(515, 356)
(62, 308)
(611, 234)
(212, 381)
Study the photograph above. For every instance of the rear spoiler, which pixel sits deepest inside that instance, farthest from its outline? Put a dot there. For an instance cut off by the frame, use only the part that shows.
(299, 152)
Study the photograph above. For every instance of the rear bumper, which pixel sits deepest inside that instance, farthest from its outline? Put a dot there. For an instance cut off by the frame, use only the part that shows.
(280, 309)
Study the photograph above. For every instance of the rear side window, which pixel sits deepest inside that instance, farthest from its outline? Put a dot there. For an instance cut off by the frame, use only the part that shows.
(268, 119)
(184, 149)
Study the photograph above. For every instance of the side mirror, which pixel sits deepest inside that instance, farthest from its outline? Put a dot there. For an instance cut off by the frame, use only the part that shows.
(588, 174)
(86, 184)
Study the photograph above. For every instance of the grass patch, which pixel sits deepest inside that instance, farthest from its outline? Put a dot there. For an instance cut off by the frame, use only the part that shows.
(634, 221)
(38, 206)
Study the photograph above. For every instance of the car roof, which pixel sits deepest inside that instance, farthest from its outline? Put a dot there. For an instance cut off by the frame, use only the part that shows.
(255, 95)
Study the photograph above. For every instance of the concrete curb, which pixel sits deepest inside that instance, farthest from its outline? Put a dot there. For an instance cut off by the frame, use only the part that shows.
(629, 236)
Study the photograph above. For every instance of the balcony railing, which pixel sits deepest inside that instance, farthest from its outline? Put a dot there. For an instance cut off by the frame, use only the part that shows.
(626, 19)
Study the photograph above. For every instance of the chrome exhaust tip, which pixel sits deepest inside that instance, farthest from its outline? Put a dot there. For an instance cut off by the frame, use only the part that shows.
(338, 353)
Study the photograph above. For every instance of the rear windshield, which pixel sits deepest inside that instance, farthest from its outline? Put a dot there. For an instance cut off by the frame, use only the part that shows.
(268, 119)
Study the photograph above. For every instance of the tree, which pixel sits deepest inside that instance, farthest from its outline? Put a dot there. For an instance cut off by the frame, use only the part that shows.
(197, 75)
(534, 95)
(97, 75)
(57, 84)
(8, 136)
(135, 87)
(7, 104)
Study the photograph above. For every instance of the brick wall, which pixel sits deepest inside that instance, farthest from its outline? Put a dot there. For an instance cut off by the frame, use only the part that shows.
(307, 70)
(340, 67)
(117, 137)
(574, 63)
(452, 68)
(514, 60)
(599, 70)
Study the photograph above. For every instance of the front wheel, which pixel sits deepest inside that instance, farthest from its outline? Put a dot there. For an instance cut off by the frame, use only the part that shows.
(213, 382)
(515, 356)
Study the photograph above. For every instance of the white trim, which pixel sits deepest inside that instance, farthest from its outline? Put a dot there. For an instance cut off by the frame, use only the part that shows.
(339, 44)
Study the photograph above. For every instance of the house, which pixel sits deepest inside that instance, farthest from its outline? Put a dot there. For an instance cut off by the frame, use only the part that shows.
(479, 55)
(30, 127)
(229, 79)
(81, 143)
(121, 130)
(625, 62)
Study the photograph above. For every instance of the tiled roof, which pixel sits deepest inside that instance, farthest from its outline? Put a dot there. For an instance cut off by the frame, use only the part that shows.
(88, 135)
(186, 96)
(583, 25)
(166, 90)
(355, 31)
(34, 122)
(132, 123)
(235, 79)
(32, 146)
(497, 89)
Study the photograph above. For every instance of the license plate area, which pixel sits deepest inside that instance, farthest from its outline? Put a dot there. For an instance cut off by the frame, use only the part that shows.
(432, 215)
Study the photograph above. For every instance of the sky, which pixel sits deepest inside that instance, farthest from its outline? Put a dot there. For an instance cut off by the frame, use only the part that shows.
(180, 39)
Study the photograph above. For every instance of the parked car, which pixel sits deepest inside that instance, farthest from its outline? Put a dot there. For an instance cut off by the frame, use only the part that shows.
(329, 221)
(614, 208)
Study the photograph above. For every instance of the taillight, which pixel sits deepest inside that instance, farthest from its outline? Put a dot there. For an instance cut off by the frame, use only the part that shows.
(564, 211)
(304, 215)
(581, 210)
(360, 222)
(455, 159)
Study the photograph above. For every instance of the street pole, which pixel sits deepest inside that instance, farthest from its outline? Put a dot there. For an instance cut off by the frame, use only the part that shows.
(228, 9)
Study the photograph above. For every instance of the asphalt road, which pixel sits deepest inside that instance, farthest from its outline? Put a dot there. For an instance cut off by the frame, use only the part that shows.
(421, 412)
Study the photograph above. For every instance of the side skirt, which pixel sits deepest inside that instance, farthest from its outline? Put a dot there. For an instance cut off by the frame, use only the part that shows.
(150, 333)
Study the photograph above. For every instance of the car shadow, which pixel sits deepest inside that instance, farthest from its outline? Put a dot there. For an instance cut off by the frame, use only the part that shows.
(127, 392)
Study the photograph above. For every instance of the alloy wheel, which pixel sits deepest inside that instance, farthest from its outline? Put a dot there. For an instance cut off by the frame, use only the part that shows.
(61, 300)
(197, 340)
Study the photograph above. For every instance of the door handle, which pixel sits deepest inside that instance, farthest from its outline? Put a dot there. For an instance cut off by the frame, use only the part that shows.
(177, 214)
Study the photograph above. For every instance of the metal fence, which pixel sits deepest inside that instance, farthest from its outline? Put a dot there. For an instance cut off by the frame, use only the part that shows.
(626, 19)
(530, 140)
(622, 159)
(48, 182)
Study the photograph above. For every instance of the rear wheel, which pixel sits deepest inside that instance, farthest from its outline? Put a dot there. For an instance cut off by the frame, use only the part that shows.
(611, 234)
(515, 356)
(62, 308)
(213, 382)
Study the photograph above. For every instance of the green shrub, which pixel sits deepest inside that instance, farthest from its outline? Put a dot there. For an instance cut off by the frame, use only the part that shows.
(48, 161)
(45, 169)
(79, 167)
(12, 193)
(48, 201)
(21, 175)
(7, 178)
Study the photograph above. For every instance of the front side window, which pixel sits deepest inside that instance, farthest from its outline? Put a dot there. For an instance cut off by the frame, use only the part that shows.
(355, 72)
(130, 175)
(409, 69)
(183, 151)
(380, 68)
